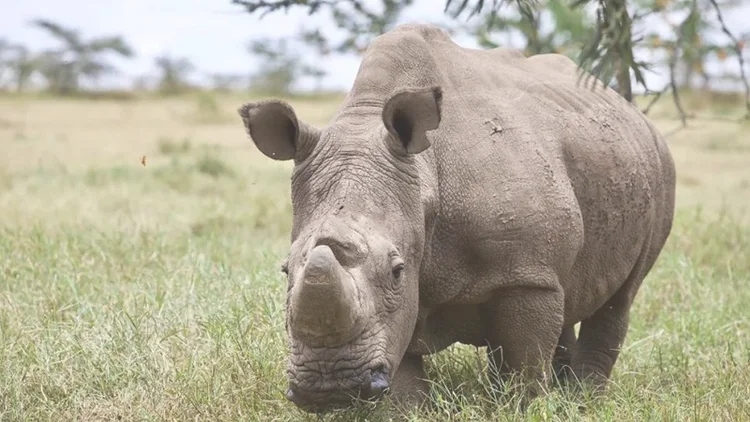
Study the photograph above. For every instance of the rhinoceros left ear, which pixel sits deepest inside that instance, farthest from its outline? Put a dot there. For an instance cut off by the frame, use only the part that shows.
(274, 128)
(410, 113)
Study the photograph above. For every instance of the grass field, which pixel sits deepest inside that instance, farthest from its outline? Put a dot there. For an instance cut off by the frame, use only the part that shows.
(131, 292)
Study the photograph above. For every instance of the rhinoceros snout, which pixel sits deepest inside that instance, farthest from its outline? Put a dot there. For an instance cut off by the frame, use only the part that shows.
(379, 385)
(370, 388)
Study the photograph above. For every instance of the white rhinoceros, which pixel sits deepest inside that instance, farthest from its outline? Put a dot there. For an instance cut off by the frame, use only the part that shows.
(461, 195)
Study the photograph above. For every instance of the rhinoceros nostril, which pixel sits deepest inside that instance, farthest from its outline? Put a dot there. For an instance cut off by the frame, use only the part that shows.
(379, 384)
(295, 397)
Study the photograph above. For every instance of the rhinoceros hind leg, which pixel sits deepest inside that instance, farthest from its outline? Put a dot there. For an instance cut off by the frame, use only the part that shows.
(601, 336)
(599, 342)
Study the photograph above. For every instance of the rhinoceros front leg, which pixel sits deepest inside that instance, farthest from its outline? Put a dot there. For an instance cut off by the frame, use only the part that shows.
(563, 359)
(409, 386)
(526, 324)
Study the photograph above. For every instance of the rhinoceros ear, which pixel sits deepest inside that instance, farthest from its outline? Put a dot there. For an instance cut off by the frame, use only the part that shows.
(409, 114)
(275, 130)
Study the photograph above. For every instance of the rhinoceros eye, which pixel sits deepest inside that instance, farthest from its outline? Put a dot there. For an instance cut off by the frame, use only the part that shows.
(398, 272)
(398, 269)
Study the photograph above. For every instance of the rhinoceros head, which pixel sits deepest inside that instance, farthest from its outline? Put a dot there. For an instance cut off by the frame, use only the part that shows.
(357, 240)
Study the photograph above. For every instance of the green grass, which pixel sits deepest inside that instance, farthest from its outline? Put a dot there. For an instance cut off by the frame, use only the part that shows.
(154, 293)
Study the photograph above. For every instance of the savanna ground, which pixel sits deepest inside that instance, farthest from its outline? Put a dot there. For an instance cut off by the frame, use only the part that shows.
(131, 292)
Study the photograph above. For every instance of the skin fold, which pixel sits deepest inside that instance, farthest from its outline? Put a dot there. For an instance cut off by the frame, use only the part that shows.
(459, 195)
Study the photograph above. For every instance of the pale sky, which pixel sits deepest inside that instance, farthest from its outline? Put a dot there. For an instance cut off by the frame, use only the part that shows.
(212, 33)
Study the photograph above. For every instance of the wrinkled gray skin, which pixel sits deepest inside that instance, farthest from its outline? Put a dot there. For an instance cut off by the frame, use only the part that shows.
(463, 196)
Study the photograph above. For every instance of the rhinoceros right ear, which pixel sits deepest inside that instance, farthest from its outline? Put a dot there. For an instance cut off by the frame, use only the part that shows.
(409, 114)
(275, 130)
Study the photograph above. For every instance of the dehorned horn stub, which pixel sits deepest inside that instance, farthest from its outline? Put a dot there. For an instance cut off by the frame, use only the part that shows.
(324, 300)
(320, 268)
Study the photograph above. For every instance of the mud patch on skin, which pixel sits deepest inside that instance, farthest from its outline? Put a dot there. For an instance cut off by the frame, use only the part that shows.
(494, 125)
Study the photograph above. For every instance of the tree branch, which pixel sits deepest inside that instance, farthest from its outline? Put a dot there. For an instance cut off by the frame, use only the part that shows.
(523, 6)
(673, 84)
(738, 50)
(656, 98)
(267, 7)
(673, 57)
(609, 54)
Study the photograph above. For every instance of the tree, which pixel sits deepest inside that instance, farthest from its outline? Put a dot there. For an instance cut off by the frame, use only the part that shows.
(738, 46)
(570, 30)
(22, 65)
(225, 82)
(697, 35)
(610, 53)
(693, 32)
(607, 55)
(174, 72)
(279, 68)
(77, 58)
(358, 21)
(358, 24)
(316, 73)
(6, 57)
(695, 51)
(4, 44)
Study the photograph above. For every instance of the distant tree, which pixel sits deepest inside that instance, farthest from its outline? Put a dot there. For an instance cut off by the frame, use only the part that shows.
(225, 82)
(174, 73)
(359, 22)
(142, 83)
(316, 73)
(77, 58)
(3, 48)
(280, 66)
(58, 73)
(22, 65)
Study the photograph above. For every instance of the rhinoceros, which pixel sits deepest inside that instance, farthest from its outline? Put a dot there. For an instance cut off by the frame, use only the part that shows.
(463, 195)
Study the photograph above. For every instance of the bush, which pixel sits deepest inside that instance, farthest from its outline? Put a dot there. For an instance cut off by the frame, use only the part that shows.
(207, 110)
(168, 146)
(214, 166)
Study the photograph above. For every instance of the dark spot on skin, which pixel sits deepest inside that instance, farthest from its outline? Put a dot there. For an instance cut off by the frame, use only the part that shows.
(494, 125)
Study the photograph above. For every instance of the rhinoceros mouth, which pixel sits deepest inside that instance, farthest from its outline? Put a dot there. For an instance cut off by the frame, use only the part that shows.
(330, 384)
(370, 387)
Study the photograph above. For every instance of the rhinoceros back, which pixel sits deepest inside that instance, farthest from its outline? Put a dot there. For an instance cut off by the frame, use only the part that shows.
(532, 166)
